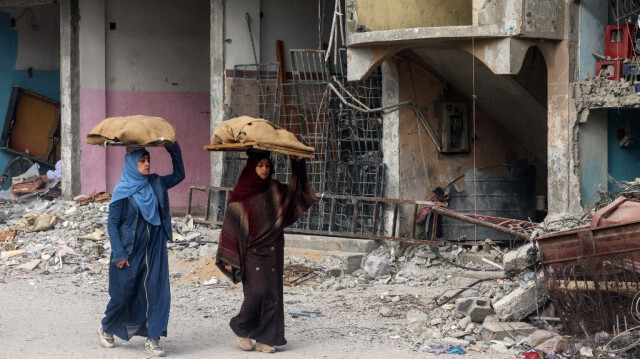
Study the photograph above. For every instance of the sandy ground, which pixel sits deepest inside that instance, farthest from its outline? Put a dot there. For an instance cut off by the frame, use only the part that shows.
(56, 315)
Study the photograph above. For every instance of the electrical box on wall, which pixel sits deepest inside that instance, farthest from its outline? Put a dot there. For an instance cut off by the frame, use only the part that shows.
(455, 128)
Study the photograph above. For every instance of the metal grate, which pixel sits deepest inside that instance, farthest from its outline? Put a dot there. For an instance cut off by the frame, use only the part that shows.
(348, 158)
(595, 294)
(255, 91)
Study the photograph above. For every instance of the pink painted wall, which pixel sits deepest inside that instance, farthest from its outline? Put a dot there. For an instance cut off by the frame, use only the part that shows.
(188, 112)
(94, 158)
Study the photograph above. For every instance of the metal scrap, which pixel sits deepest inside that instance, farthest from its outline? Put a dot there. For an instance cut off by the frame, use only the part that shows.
(298, 274)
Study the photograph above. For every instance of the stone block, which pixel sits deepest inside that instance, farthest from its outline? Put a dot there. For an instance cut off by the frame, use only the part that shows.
(350, 262)
(517, 260)
(502, 330)
(476, 308)
(523, 301)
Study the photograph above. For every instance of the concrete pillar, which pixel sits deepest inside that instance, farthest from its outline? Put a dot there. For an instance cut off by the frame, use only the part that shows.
(561, 58)
(93, 98)
(69, 97)
(390, 137)
(217, 82)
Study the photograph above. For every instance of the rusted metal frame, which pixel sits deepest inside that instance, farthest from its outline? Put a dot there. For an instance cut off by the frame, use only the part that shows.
(413, 221)
(364, 236)
(395, 219)
(376, 207)
(190, 196)
(434, 225)
(355, 216)
(308, 225)
(332, 213)
(208, 204)
(470, 219)
(501, 221)
(357, 200)
(189, 200)
(573, 245)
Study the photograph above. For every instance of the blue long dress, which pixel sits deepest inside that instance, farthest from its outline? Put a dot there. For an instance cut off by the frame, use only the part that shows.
(140, 295)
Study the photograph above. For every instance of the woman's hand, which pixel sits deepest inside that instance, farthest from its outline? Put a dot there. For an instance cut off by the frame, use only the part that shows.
(122, 263)
(228, 267)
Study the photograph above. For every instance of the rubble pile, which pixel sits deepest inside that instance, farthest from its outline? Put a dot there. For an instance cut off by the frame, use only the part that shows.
(451, 299)
(47, 236)
(599, 92)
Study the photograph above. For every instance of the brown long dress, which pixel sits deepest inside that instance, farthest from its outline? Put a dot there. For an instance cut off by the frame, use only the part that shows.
(252, 242)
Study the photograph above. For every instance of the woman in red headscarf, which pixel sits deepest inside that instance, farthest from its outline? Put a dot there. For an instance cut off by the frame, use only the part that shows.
(251, 248)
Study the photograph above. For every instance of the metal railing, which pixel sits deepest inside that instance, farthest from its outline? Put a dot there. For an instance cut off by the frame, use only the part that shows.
(356, 225)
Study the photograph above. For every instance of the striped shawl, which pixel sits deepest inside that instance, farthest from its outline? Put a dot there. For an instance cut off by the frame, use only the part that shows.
(261, 219)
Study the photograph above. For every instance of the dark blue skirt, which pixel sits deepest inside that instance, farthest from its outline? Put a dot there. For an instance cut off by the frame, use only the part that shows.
(140, 294)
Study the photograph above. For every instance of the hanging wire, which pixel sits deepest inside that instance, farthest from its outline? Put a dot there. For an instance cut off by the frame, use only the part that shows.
(473, 129)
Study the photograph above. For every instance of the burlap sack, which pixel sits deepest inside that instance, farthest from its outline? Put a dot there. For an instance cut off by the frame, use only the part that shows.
(248, 129)
(133, 130)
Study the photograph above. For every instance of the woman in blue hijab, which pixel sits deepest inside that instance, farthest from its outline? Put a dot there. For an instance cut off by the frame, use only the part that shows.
(139, 225)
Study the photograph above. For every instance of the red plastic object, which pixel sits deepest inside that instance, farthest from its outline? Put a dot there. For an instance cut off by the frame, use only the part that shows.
(531, 355)
(618, 41)
(612, 67)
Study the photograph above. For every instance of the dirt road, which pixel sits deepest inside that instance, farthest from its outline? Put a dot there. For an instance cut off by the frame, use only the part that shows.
(56, 315)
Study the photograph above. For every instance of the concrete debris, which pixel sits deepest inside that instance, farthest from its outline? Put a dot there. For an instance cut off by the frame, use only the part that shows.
(504, 330)
(547, 342)
(390, 288)
(30, 265)
(524, 257)
(376, 266)
(523, 301)
(97, 235)
(476, 308)
(586, 352)
(599, 92)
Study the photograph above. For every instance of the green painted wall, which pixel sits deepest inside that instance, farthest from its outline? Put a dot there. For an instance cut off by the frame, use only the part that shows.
(376, 15)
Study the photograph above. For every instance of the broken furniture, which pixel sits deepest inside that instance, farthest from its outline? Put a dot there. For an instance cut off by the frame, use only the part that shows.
(31, 132)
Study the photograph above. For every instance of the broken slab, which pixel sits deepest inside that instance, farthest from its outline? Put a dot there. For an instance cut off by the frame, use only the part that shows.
(518, 260)
(502, 330)
(522, 301)
(31, 265)
(351, 262)
(476, 308)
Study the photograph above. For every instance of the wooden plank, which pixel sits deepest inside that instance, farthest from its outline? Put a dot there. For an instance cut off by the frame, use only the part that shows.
(282, 77)
(241, 147)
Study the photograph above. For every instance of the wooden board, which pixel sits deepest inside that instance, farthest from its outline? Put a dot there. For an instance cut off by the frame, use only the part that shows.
(241, 147)
(109, 143)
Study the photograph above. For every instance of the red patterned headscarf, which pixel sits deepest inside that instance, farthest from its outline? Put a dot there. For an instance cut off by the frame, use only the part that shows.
(250, 184)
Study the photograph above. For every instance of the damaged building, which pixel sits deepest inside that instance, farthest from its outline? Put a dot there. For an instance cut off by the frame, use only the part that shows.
(396, 106)
(433, 122)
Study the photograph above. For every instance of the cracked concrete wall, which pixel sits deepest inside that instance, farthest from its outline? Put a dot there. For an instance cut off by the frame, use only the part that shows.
(531, 18)
(414, 167)
(411, 13)
(563, 166)
(593, 156)
(421, 167)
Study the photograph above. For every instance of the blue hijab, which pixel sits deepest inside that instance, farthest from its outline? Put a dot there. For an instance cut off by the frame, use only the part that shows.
(135, 184)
